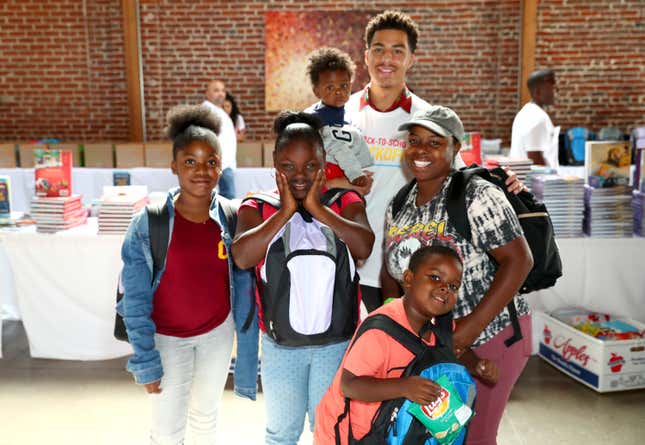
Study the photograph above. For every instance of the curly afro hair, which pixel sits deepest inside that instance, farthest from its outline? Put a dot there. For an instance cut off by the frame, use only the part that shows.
(188, 123)
(393, 20)
(328, 59)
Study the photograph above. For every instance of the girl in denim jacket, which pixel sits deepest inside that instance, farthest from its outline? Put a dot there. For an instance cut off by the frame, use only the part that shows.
(181, 321)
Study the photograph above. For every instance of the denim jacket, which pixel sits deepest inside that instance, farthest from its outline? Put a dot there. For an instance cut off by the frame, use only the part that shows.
(139, 289)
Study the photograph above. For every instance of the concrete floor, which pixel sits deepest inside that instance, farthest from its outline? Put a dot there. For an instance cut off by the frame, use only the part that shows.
(65, 402)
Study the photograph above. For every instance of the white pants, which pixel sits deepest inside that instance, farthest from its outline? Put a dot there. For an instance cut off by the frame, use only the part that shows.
(195, 371)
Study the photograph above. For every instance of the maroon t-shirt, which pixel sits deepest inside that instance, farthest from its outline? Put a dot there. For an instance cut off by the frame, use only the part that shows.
(193, 295)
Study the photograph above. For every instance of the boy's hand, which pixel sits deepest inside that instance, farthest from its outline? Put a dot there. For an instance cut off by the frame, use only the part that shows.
(488, 371)
(420, 390)
(287, 201)
(154, 387)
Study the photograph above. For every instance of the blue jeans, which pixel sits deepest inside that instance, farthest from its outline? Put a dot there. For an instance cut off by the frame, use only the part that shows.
(294, 379)
(226, 183)
(195, 372)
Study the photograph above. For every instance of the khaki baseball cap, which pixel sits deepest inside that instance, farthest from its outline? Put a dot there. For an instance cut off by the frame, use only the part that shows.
(439, 119)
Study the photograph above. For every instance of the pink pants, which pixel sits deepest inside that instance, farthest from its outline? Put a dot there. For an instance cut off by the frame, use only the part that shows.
(491, 400)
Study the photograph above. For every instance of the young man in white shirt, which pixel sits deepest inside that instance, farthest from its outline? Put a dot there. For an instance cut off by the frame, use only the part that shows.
(215, 96)
(378, 110)
(533, 134)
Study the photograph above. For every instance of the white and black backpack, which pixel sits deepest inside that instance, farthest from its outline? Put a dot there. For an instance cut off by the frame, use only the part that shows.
(308, 282)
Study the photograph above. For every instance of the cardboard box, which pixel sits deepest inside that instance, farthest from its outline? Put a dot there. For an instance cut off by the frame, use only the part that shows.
(74, 148)
(602, 365)
(158, 154)
(98, 154)
(267, 153)
(249, 154)
(129, 155)
(26, 151)
(8, 155)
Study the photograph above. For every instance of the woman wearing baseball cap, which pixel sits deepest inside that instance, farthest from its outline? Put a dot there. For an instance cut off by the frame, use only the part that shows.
(496, 259)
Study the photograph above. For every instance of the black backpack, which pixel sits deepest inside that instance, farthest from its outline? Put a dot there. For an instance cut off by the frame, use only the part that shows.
(532, 215)
(388, 416)
(158, 225)
(296, 311)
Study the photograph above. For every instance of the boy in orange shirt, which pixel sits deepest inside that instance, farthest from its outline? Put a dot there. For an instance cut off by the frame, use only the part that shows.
(371, 369)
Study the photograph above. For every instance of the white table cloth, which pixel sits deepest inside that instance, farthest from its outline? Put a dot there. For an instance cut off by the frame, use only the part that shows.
(65, 289)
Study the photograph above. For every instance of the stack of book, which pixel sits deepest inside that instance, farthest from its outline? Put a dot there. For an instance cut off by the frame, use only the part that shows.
(521, 166)
(608, 212)
(119, 204)
(638, 206)
(537, 170)
(55, 214)
(564, 199)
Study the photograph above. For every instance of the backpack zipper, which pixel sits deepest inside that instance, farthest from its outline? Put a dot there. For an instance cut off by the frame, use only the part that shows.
(393, 417)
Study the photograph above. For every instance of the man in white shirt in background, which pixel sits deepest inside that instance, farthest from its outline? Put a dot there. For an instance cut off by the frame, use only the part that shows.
(533, 134)
(215, 96)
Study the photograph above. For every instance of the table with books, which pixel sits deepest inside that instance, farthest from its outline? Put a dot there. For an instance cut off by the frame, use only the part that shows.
(89, 182)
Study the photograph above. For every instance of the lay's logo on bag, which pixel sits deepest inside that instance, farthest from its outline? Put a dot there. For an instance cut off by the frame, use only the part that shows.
(437, 408)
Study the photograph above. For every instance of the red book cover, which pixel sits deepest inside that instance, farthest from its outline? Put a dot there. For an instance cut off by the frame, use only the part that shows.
(471, 149)
(53, 173)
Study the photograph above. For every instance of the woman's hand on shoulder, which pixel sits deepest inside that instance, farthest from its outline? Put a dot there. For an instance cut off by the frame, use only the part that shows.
(513, 183)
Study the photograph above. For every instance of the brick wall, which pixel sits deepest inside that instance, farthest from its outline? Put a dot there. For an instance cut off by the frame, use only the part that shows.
(63, 72)
(597, 49)
(463, 58)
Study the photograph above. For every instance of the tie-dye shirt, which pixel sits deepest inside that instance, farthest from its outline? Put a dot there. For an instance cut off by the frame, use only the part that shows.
(493, 223)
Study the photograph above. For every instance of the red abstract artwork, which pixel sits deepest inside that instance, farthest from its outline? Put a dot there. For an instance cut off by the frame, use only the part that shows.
(291, 36)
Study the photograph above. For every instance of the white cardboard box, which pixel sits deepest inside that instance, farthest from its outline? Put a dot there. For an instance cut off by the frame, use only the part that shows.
(605, 366)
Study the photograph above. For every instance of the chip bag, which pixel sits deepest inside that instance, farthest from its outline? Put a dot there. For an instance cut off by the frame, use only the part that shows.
(446, 416)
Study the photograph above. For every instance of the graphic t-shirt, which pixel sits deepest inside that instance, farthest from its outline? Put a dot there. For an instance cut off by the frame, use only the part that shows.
(493, 223)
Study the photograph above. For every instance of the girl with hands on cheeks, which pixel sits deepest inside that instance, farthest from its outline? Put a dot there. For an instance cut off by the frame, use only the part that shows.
(294, 377)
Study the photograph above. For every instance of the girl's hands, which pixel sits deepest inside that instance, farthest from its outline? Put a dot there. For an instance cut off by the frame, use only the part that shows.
(288, 202)
(312, 200)
(154, 387)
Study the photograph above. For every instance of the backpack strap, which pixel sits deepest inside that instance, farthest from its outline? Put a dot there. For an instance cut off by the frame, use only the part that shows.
(401, 195)
(330, 196)
(158, 230)
(457, 214)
